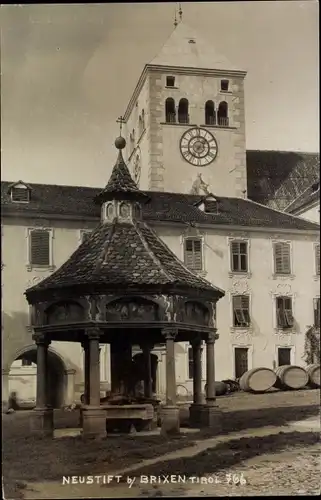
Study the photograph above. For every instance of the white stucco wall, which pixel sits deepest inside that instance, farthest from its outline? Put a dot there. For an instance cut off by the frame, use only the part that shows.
(262, 338)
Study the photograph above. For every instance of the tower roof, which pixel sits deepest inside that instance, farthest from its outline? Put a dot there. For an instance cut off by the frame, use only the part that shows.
(123, 256)
(185, 48)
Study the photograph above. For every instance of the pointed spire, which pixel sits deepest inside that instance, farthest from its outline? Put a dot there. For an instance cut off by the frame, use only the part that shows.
(120, 185)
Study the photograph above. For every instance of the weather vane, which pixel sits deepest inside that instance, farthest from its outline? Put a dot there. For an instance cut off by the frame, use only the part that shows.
(120, 121)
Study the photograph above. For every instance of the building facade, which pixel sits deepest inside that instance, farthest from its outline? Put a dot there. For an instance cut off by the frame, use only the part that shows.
(185, 133)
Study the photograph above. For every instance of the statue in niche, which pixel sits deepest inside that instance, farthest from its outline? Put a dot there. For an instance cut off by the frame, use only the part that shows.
(199, 186)
(195, 313)
(131, 311)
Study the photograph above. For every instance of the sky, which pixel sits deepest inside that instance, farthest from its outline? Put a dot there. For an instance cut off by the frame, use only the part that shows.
(68, 72)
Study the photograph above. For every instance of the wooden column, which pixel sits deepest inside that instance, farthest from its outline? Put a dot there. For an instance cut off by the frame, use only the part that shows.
(197, 370)
(148, 390)
(210, 369)
(42, 372)
(85, 345)
(94, 368)
(170, 334)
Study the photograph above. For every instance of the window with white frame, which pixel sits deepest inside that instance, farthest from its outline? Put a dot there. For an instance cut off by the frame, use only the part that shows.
(190, 363)
(317, 259)
(193, 253)
(282, 258)
(39, 244)
(284, 312)
(239, 256)
(20, 194)
(241, 311)
(284, 356)
(316, 308)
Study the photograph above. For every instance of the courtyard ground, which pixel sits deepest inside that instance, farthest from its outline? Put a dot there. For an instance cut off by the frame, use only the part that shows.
(257, 442)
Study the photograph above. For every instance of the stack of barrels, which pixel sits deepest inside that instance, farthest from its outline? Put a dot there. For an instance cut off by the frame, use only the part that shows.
(287, 377)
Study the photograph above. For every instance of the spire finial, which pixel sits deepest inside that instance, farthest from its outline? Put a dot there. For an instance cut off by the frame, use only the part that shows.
(120, 120)
(180, 12)
(175, 20)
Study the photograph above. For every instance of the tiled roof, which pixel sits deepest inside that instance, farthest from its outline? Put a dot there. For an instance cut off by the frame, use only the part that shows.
(185, 48)
(120, 183)
(277, 178)
(308, 197)
(125, 256)
(70, 201)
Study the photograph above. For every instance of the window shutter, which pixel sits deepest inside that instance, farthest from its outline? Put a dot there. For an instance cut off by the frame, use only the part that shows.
(40, 247)
(20, 194)
(193, 254)
(282, 258)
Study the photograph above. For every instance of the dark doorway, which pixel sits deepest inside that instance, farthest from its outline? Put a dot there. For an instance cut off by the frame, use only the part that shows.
(284, 356)
(240, 361)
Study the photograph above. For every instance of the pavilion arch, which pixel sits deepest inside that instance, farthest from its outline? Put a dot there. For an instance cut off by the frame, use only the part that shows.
(61, 311)
(58, 376)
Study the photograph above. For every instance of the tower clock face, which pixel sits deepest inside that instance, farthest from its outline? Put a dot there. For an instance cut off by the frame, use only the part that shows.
(198, 146)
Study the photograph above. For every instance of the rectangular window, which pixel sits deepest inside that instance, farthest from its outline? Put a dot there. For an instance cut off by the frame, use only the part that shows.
(170, 81)
(316, 306)
(239, 256)
(241, 311)
(40, 247)
(193, 253)
(240, 361)
(317, 260)
(284, 312)
(224, 85)
(190, 363)
(20, 194)
(284, 356)
(282, 258)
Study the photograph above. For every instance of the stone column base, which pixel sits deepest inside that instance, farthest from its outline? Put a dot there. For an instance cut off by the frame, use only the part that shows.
(93, 421)
(211, 418)
(169, 420)
(195, 414)
(42, 422)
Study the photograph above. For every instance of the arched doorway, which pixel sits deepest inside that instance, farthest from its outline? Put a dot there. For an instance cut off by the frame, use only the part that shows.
(23, 378)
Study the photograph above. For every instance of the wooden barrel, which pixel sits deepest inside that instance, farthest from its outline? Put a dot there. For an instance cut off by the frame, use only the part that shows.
(257, 380)
(313, 372)
(291, 377)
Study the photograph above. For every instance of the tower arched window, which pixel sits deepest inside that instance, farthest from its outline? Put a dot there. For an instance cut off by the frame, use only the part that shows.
(210, 118)
(183, 116)
(143, 120)
(222, 114)
(170, 111)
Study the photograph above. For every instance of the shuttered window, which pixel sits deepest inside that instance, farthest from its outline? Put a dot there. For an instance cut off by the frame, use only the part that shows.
(239, 256)
(193, 253)
(317, 260)
(20, 194)
(316, 305)
(241, 310)
(282, 258)
(284, 312)
(40, 247)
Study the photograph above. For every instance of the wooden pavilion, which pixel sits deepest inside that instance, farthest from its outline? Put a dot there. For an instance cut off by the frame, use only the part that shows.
(123, 286)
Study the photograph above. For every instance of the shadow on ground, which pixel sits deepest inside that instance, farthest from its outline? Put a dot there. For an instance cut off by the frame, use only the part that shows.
(228, 454)
(27, 459)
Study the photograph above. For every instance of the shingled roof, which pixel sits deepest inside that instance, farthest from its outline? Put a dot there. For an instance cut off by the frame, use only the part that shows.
(278, 178)
(126, 255)
(54, 201)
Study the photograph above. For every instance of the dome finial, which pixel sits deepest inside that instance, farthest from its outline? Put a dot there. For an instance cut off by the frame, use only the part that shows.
(120, 142)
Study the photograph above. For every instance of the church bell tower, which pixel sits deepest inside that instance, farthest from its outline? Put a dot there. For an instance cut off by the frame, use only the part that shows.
(186, 120)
